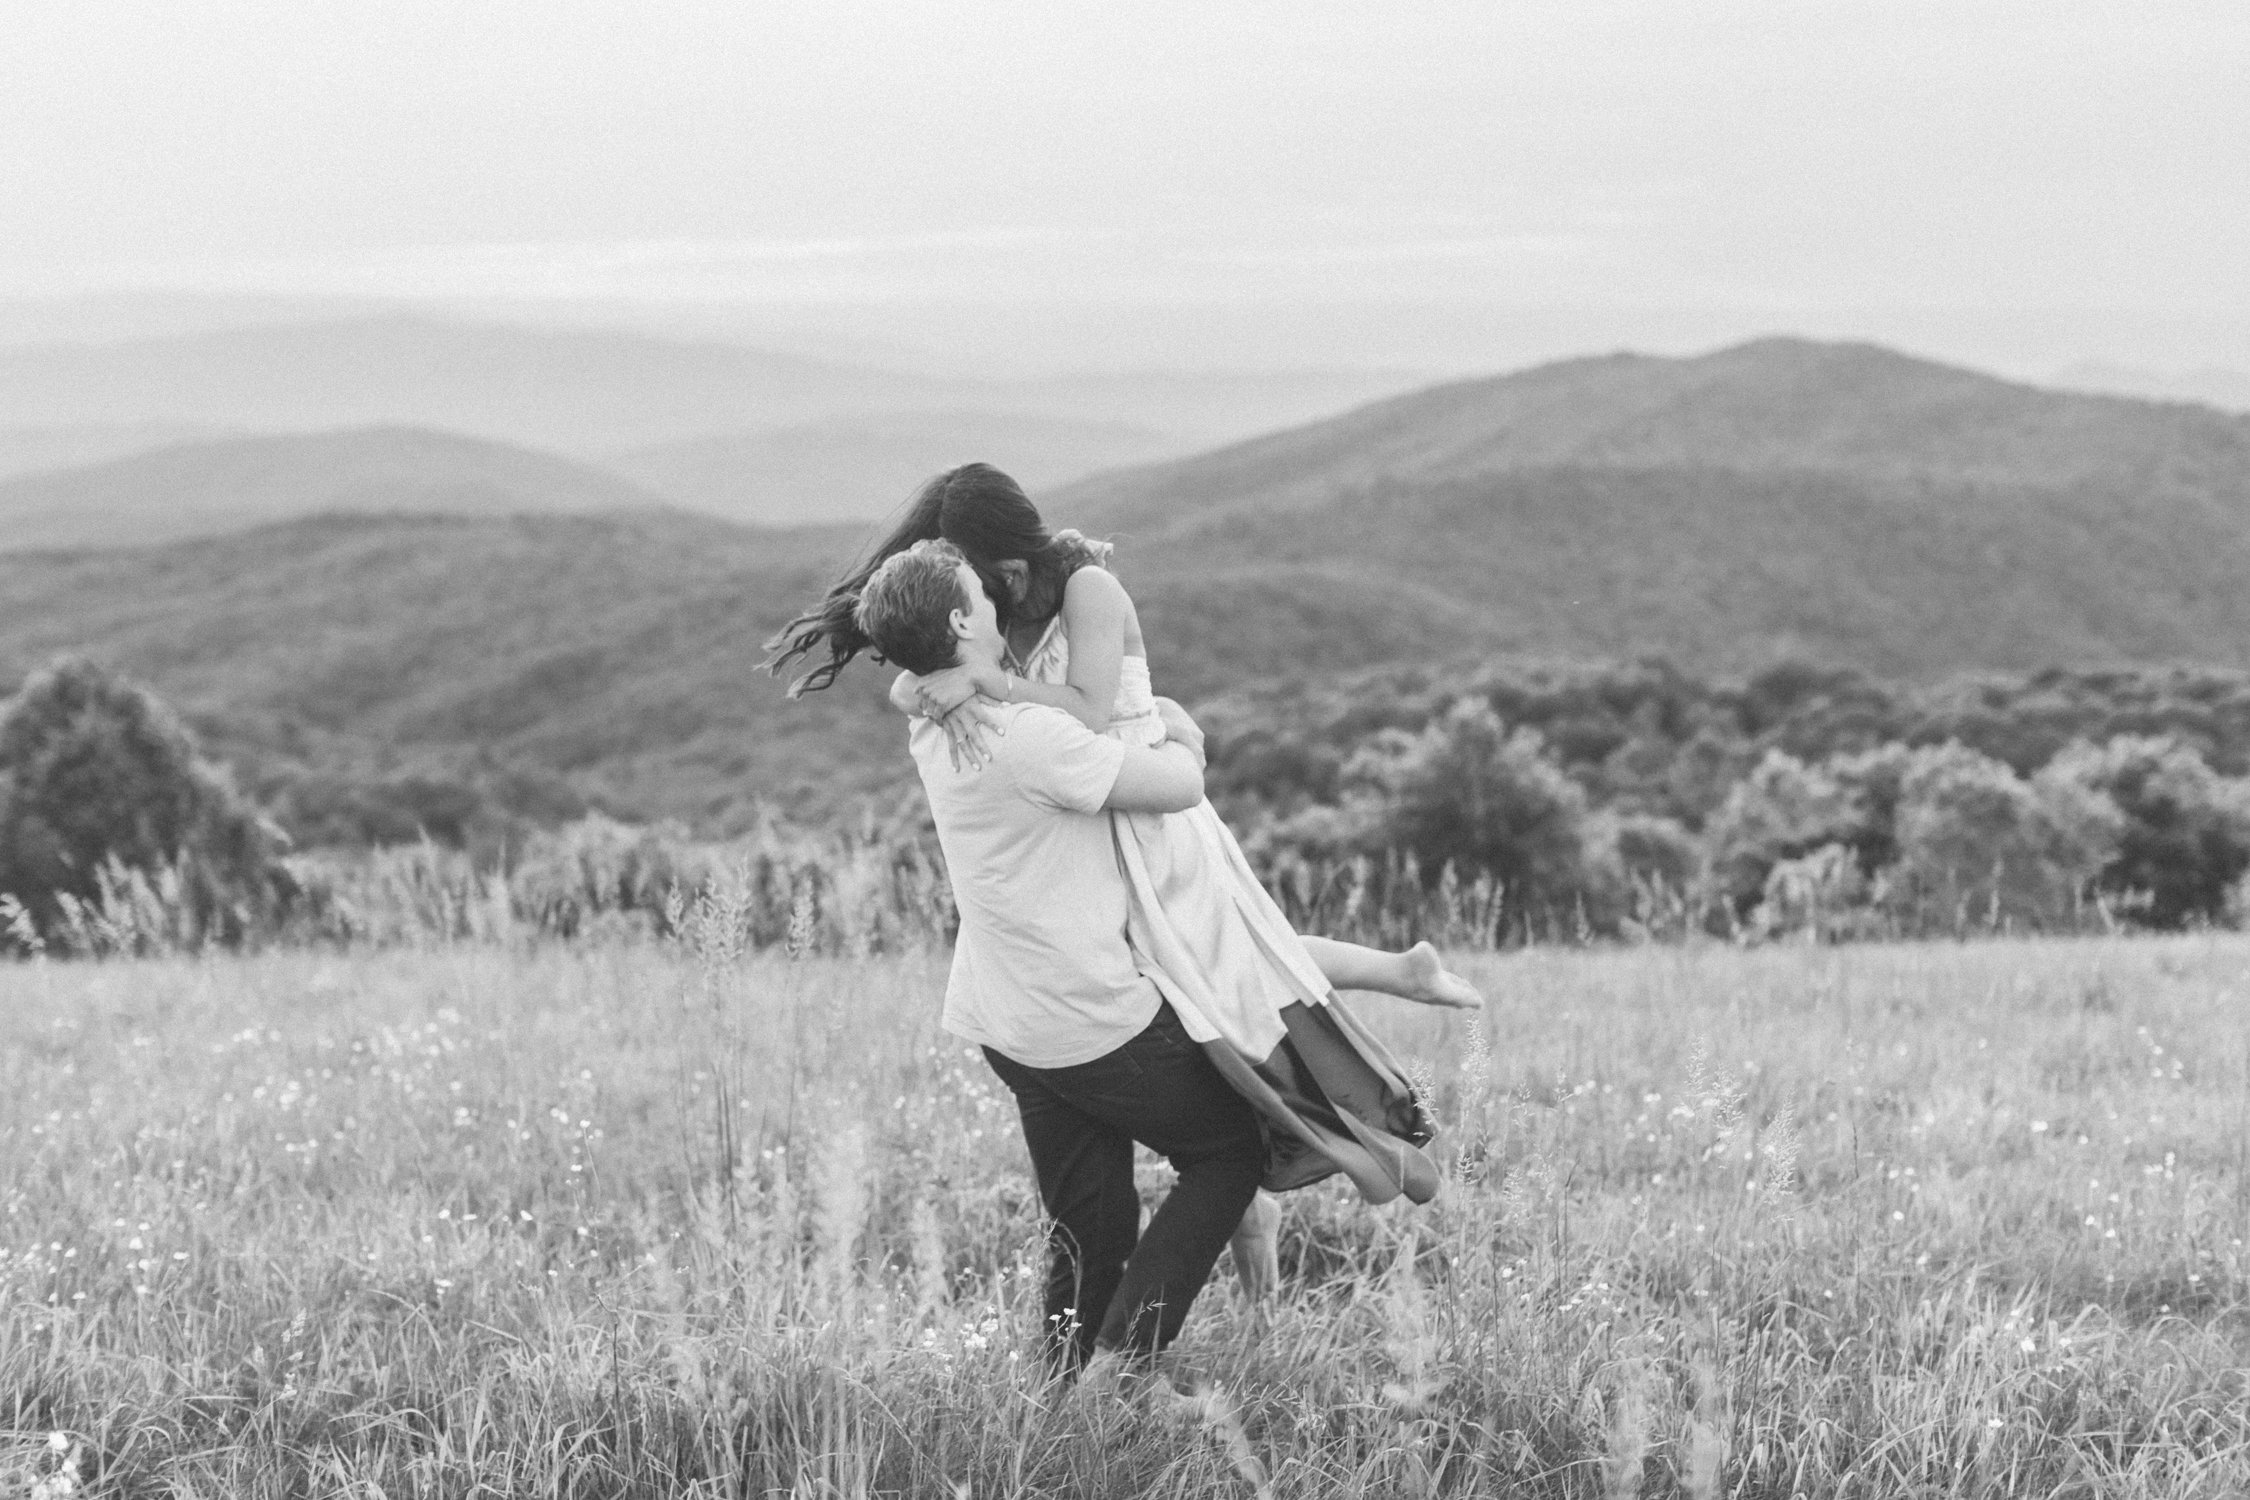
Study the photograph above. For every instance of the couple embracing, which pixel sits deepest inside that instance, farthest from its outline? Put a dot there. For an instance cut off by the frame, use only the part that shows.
(1118, 962)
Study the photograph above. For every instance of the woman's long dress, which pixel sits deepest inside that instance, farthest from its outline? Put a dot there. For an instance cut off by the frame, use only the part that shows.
(1331, 1096)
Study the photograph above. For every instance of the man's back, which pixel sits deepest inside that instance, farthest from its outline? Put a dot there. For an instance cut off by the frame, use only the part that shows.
(1041, 970)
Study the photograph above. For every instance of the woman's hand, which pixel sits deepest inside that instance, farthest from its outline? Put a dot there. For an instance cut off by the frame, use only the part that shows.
(906, 694)
(1178, 726)
(969, 731)
(940, 693)
(970, 726)
(935, 696)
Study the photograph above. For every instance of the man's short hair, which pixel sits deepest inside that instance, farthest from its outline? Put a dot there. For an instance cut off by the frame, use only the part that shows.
(906, 609)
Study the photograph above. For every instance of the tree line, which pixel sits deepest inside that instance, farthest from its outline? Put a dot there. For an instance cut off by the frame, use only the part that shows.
(1489, 802)
(1805, 798)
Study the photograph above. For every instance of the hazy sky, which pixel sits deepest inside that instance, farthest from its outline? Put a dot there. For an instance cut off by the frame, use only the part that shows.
(1898, 169)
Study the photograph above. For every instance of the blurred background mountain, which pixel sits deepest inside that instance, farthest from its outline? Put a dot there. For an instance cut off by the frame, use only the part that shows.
(228, 485)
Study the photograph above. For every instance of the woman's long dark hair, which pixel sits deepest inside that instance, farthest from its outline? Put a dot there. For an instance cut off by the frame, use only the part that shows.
(984, 513)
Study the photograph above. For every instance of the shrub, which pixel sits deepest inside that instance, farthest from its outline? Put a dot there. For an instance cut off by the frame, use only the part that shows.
(2185, 839)
(1782, 810)
(1980, 846)
(1470, 794)
(97, 774)
(489, 806)
(1647, 847)
(570, 879)
(1824, 895)
(1643, 878)
(1873, 779)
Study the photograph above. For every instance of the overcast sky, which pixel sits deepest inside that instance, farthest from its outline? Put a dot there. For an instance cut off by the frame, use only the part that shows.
(1897, 169)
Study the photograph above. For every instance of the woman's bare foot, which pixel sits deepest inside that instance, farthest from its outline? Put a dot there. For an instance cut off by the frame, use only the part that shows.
(1435, 984)
(1257, 1247)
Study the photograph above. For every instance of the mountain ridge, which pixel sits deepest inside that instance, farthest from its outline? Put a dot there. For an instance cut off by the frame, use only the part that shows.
(1775, 403)
(861, 468)
(588, 390)
(566, 389)
(220, 485)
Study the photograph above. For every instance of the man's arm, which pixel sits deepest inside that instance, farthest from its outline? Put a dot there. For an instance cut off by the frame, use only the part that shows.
(1166, 779)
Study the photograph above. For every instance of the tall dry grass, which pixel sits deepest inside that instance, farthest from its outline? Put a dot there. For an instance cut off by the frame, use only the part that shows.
(690, 1219)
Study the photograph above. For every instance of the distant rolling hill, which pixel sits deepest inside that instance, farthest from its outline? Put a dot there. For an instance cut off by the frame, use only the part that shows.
(207, 488)
(862, 468)
(584, 391)
(1774, 405)
(33, 450)
(2227, 389)
(1839, 502)
(571, 390)
(1196, 408)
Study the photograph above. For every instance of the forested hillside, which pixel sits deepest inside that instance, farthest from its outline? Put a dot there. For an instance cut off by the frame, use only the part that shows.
(413, 669)
(1782, 499)
(1773, 405)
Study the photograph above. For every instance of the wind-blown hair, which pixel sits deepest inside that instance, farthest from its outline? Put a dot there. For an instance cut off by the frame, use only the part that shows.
(979, 510)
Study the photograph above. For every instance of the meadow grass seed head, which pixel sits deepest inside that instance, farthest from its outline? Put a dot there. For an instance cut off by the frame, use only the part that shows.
(1777, 1182)
(1410, 1344)
(1718, 1098)
(840, 1192)
(927, 1238)
(17, 922)
(1627, 1433)
(1705, 1455)
(1704, 1461)
(1476, 1068)
(803, 924)
(1223, 1421)
(1423, 1081)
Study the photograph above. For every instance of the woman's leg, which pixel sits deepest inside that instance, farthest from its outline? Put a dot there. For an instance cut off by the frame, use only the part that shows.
(1257, 1248)
(1416, 974)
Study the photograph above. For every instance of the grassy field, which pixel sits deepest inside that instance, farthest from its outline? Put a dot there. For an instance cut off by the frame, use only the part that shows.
(1879, 1221)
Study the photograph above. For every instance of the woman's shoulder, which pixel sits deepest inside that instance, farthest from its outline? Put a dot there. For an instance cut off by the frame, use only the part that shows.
(1092, 581)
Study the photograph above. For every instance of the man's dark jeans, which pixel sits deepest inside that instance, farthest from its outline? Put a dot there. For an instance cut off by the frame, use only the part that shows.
(1103, 1288)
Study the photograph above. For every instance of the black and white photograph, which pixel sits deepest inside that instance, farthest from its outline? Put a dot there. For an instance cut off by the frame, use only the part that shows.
(1206, 748)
